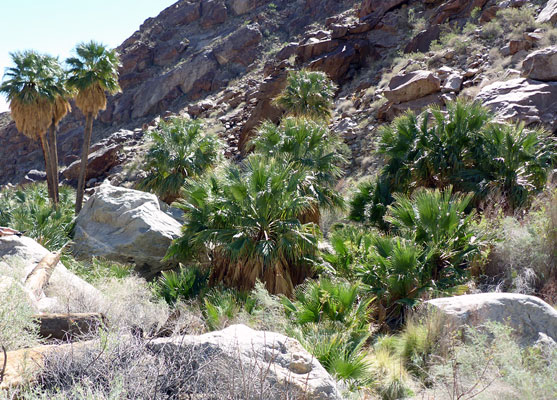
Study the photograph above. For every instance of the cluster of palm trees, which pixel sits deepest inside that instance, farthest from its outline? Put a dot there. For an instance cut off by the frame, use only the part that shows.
(40, 90)
(259, 219)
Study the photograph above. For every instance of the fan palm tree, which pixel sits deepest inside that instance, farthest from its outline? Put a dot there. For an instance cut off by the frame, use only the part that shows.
(180, 151)
(244, 226)
(310, 145)
(309, 94)
(92, 73)
(37, 95)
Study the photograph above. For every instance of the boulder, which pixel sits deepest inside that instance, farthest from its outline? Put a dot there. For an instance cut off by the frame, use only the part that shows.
(453, 83)
(390, 111)
(182, 13)
(281, 360)
(529, 316)
(213, 12)
(22, 254)
(549, 13)
(239, 47)
(455, 9)
(125, 225)
(422, 41)
(98, 163)
(527, 100)
(240, 7)
(411, 86)
(541, 65)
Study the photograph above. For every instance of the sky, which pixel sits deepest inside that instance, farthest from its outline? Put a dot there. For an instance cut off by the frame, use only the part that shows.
(56, 26)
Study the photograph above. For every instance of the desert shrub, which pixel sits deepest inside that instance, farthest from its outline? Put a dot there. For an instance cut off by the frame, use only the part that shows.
(28, 210)
(308, 93)
(180, 150)
(522, 259)
(18, 327)
(120, 367)
(244, 225)
(185, 284)
(491, 364)
(462, 148)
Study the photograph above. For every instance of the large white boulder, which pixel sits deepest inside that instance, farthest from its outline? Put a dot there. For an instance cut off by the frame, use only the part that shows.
(529, 316)
(125, 225)
(20, 255)
(268, 358)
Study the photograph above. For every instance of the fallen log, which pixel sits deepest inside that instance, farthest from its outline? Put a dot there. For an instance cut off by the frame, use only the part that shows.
(38, 279)
(69, 326)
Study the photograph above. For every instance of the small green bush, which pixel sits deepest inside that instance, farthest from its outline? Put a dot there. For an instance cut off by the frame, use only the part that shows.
(187, 283)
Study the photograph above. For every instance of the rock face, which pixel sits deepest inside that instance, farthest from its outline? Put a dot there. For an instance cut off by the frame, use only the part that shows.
(98, 163)
(541, 65)
(371, 6)
(125, 225)
(23, 254)
(527, 100)
(527, 315)
(549, 13)
(281, 359)
(411, 86)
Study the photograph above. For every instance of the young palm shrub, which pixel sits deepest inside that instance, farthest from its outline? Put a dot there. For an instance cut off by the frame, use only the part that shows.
(331, 321)
(325, 299)
(463, 149)
(93, 72)
(312, 146)
(436, 243)
(309, 94)
(181, 150)
(27, 209)
(244, 225)
(185, 284)
(521, 167)
(35, 88)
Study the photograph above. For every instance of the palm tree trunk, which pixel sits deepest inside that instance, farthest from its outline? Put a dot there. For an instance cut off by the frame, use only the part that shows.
(46, 154)
(54, 162)
(84, 159)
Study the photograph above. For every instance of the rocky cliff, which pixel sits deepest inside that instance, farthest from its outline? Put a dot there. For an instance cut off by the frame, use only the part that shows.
(224, 60)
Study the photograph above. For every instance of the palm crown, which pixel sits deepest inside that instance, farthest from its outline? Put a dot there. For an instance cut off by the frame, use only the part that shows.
(32, 86)
(92, 72)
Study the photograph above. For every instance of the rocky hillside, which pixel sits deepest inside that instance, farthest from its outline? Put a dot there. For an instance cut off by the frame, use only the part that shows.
(225, 60)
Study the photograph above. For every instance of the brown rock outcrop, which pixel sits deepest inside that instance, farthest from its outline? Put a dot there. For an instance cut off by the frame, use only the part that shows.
(541, 65)
(527, 100)
(411, 86)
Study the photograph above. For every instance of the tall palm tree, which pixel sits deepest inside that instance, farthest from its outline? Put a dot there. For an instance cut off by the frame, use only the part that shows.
(36, 92)
(92, 73)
